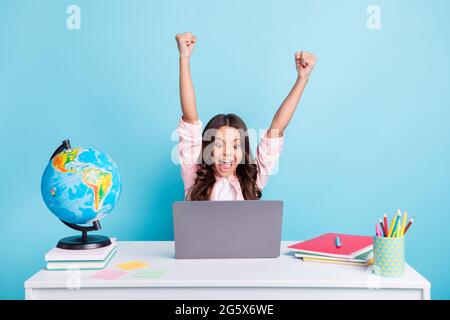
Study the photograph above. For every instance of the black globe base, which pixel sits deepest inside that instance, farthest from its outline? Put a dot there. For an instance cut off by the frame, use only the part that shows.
(81, 243)
(85, 241)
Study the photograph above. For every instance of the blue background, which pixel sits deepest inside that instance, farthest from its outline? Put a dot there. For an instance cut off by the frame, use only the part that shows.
(371, 133)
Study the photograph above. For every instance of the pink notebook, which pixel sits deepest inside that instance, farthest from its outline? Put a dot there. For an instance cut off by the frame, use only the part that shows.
(325, 245)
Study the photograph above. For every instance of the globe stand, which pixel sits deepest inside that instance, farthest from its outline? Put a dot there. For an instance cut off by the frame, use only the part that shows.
(85, 241)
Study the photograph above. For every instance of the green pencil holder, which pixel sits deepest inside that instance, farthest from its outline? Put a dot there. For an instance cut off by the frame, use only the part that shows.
(389, 256)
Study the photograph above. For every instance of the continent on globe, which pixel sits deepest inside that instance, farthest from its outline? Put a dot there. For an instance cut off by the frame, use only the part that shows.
(61, 160)
(100, 182)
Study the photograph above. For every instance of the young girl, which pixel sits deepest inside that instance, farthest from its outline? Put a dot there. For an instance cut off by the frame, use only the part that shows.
(217, 164)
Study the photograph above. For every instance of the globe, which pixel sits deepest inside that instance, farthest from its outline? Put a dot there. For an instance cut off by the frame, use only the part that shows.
(81, 185)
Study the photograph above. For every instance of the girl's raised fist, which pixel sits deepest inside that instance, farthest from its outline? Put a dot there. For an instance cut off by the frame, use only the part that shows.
(304, 62)
(186, 43)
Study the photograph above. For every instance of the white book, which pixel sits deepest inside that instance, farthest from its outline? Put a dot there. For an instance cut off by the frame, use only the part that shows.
(99, 254)
(81, 265)
(318, 257)
(349, 262)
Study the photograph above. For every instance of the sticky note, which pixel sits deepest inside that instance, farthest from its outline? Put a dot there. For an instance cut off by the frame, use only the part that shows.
(130, 265)
(149, 273)
(108, 274)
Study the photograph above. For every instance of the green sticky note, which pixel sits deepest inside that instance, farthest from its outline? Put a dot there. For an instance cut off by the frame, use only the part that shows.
(149, 273)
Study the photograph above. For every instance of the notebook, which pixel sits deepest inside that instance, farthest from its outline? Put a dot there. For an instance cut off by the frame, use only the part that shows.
(339, 261)
(100, 254)
(362, 258)
(325, 245)
(82, 265)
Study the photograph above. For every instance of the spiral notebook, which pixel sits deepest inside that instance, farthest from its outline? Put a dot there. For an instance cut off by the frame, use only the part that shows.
(325, 245)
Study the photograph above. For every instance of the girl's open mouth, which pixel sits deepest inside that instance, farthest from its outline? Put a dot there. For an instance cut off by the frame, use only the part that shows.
(225, 165)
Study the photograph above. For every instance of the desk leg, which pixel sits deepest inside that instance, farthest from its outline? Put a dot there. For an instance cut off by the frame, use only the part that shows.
(426, 294)
(29, 294)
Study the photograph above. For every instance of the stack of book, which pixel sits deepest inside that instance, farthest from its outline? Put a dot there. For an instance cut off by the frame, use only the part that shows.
(93, 259)
(336, 248)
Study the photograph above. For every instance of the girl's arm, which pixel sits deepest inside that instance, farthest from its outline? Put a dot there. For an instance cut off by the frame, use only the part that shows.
(305, 63)
(186, 43)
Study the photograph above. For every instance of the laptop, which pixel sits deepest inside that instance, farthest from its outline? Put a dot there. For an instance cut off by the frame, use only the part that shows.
(227, 229)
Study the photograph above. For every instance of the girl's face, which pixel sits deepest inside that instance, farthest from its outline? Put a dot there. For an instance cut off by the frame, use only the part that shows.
(227, 150)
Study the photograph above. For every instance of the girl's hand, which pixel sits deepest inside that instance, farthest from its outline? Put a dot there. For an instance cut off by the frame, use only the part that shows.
(304, 62)
(186, 43)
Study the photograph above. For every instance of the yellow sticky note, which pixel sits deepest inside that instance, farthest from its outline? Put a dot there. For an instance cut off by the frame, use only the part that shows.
(130, 265)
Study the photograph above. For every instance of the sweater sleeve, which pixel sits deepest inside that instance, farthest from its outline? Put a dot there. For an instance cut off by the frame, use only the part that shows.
(189, 150)
(267, 155)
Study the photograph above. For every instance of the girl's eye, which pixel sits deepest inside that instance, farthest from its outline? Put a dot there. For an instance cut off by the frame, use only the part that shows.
(237, 146)
(218, 145)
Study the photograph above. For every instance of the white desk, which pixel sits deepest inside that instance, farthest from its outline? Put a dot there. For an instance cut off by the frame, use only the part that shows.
(285, 277)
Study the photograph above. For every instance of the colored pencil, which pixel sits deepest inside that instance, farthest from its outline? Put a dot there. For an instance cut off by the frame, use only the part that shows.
(405, 218)
(398, 233)
(386, 228)
(338, 242)
(409, 224)
(392, 225)
(381, 228)
(396, 225)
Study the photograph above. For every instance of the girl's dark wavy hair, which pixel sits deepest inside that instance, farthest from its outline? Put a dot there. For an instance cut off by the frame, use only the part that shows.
(246, 171)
